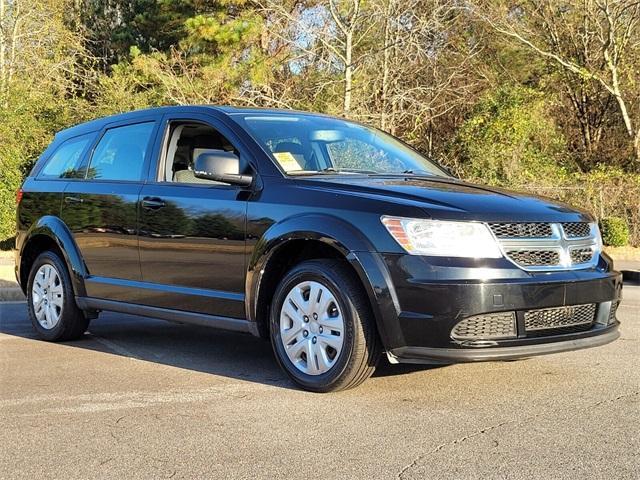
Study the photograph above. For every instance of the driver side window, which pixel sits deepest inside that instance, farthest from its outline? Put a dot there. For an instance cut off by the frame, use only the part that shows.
(185, 142)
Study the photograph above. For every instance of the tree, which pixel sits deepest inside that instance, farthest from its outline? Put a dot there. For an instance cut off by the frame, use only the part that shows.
(422, 70)
(114, 26)
(217, 57)
(509, 139)
(594, 41)
(43, 70)
(328, 35)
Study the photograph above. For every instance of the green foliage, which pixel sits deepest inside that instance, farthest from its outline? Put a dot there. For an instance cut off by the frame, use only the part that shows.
(26, 128)
(615, 231)
(510, 139)
(116, 25)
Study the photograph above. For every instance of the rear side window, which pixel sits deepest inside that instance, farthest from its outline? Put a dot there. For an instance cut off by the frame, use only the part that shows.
(121, 152)
(66, 160)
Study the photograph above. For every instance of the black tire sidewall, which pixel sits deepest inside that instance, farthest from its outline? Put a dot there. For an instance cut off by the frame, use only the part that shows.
(58, 331)
(314, 272)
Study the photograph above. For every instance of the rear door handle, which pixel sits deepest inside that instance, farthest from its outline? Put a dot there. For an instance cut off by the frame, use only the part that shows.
(73, 200)
(152, 203)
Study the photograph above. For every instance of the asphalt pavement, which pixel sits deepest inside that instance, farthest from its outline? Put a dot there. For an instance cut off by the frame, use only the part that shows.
(141, 398)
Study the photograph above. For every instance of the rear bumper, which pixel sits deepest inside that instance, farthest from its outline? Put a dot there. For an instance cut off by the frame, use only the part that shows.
(431, 296)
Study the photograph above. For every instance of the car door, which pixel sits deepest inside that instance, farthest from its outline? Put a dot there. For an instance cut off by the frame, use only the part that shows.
(100, 208)
(192, 231)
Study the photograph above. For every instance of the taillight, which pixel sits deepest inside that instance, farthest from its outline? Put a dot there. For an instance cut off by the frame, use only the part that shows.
(18, 196)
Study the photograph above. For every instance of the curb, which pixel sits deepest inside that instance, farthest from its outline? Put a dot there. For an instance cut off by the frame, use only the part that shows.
(11, 295)
(631, 276)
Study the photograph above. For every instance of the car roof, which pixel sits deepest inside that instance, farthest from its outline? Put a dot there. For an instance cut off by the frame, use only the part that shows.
(98, 123)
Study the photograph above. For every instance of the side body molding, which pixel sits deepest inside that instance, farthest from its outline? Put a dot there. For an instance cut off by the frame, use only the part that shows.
(54, 228)
(341, 236)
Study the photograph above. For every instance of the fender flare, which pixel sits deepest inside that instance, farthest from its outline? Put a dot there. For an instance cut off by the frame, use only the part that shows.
(54, 228)
(343, 237)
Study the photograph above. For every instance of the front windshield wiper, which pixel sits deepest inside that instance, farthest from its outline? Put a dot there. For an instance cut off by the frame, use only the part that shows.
(333, 171)
(347, 170)
(413, 173)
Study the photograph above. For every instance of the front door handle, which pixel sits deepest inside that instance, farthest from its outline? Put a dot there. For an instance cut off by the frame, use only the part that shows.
(73, 200)
(152, 203)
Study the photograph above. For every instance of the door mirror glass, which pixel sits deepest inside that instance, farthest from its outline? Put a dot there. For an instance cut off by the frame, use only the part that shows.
(220, 166)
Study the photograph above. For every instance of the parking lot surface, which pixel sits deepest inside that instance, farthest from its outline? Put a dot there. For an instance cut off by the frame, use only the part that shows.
(141, 398)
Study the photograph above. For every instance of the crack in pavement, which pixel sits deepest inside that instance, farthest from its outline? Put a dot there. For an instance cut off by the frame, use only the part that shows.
(484, 430)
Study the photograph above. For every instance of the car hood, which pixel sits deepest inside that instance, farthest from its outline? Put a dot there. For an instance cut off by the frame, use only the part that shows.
(448, 198)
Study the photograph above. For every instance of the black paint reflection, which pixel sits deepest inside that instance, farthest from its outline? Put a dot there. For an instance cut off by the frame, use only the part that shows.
(196, 240)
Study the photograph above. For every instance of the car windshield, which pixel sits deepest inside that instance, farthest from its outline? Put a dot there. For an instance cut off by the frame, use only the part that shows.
(310, 145)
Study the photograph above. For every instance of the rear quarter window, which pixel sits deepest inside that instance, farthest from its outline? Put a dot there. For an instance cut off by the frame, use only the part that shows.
(120, 153)
(66, 160)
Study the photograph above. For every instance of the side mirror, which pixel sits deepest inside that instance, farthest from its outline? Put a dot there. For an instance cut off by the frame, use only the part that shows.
(220, 166)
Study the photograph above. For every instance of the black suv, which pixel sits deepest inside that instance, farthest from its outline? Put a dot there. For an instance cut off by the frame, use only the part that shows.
(334, 240)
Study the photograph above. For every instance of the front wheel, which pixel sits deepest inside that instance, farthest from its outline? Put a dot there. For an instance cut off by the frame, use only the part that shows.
(322, 327)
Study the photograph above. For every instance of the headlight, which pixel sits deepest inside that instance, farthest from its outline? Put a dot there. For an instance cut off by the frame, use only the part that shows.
(443, 239)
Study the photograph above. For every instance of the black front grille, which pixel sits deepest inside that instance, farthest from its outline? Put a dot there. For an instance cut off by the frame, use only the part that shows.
(576, 229)
(560, 330)
(521, 230)
(534, 258)
(559, 318)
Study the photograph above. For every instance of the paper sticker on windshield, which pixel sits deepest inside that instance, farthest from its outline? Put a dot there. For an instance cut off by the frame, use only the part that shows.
(287, 161)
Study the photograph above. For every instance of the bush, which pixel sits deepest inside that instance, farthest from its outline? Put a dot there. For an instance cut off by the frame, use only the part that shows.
(511, 139)
(615, 231)
(26, 128)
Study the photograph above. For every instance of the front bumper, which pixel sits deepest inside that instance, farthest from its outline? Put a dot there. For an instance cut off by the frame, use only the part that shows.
(431, 296)
(456, 355)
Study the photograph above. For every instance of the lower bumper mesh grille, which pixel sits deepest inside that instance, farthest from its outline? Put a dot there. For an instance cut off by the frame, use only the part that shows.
(490, 326)
(535, 323)
(559, 317)
(612, 312)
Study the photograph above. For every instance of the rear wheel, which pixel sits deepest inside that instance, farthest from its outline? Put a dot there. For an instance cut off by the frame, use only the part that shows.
(322, 328)
(50, 300)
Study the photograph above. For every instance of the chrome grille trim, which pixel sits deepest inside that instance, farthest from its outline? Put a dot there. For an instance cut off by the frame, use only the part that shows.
(533, 258)
(576, 229)
(561, 250)
(581, 255)
(521, 230)
(559, 317)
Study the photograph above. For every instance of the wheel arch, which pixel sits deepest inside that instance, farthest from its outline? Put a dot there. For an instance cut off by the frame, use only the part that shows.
(50, 233)
(307, 237)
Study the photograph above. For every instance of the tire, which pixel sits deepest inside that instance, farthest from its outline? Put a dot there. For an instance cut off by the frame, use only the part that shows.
(49, 286)
(345, 356)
